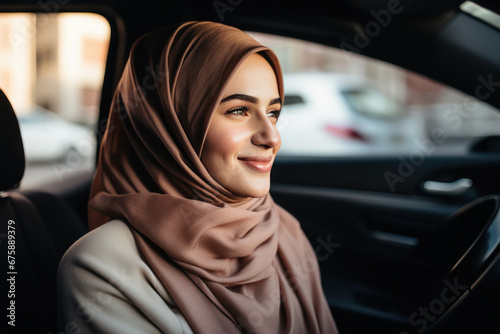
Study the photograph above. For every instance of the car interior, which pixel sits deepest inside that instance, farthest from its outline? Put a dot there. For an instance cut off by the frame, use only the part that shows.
(407, 242)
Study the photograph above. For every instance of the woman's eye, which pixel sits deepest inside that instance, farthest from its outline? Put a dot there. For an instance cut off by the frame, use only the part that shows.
(274, 113)
(239, 111)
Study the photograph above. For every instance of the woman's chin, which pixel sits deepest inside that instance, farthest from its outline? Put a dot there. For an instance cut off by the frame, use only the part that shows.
(252, 189)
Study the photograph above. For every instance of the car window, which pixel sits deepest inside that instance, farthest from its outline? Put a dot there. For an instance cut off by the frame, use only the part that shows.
(341, 103)
(52, 69)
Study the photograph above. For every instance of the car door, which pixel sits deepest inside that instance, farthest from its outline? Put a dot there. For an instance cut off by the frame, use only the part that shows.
(368, 211)
(363, 233)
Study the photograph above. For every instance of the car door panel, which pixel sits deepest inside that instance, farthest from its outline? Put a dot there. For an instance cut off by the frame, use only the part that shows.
(364, 233)
(374, 173)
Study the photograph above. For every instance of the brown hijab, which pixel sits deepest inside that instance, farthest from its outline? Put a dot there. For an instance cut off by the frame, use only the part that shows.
(245, 267)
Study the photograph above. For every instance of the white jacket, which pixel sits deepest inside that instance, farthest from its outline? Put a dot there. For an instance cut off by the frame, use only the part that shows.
(104, 286)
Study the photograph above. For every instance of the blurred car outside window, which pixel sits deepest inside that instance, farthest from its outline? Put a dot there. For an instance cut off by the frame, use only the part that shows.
(339, 103)
(52, 69)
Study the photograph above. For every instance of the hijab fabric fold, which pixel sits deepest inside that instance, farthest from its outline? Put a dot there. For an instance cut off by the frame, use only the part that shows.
(231, 264)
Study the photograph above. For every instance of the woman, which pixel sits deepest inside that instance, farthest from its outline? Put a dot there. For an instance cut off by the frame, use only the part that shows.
(185, 237)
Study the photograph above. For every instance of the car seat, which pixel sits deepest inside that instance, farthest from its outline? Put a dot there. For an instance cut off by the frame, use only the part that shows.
(36, 230)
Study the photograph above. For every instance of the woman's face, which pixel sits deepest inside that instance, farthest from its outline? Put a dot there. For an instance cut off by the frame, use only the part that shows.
(242, 139)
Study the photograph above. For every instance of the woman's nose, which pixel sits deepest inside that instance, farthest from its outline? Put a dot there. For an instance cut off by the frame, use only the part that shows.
(266, 134)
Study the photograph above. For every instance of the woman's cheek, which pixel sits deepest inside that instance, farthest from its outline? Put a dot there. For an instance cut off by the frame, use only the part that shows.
(232, 139)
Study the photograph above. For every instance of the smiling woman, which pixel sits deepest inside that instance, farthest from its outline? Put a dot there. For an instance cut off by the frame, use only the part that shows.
(242, 139)
(185, 235)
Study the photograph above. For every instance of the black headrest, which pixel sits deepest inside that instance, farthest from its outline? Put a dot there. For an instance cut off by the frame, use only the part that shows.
(11, 147)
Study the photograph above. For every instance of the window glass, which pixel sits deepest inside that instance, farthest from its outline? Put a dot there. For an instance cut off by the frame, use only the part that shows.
(340, 103)
(52, 69)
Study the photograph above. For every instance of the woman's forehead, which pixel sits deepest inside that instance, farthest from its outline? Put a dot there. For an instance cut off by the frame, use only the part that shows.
(254, 77)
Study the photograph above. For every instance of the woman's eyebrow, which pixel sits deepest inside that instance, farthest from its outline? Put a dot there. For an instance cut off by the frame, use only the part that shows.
(243, 97)
(276, 100)
(248, 98)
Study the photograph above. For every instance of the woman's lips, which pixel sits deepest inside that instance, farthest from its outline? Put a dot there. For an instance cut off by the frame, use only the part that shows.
(259, 164)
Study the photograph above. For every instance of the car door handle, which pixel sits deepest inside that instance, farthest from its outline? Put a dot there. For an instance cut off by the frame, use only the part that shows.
(454, 188)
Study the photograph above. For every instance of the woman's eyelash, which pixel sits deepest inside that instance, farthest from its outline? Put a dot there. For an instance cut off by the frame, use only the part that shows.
(237, 110)
(244, 110)
(274, 113)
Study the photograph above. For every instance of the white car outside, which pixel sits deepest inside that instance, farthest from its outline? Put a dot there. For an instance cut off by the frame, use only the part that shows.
(328, 114)
(48, 137)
